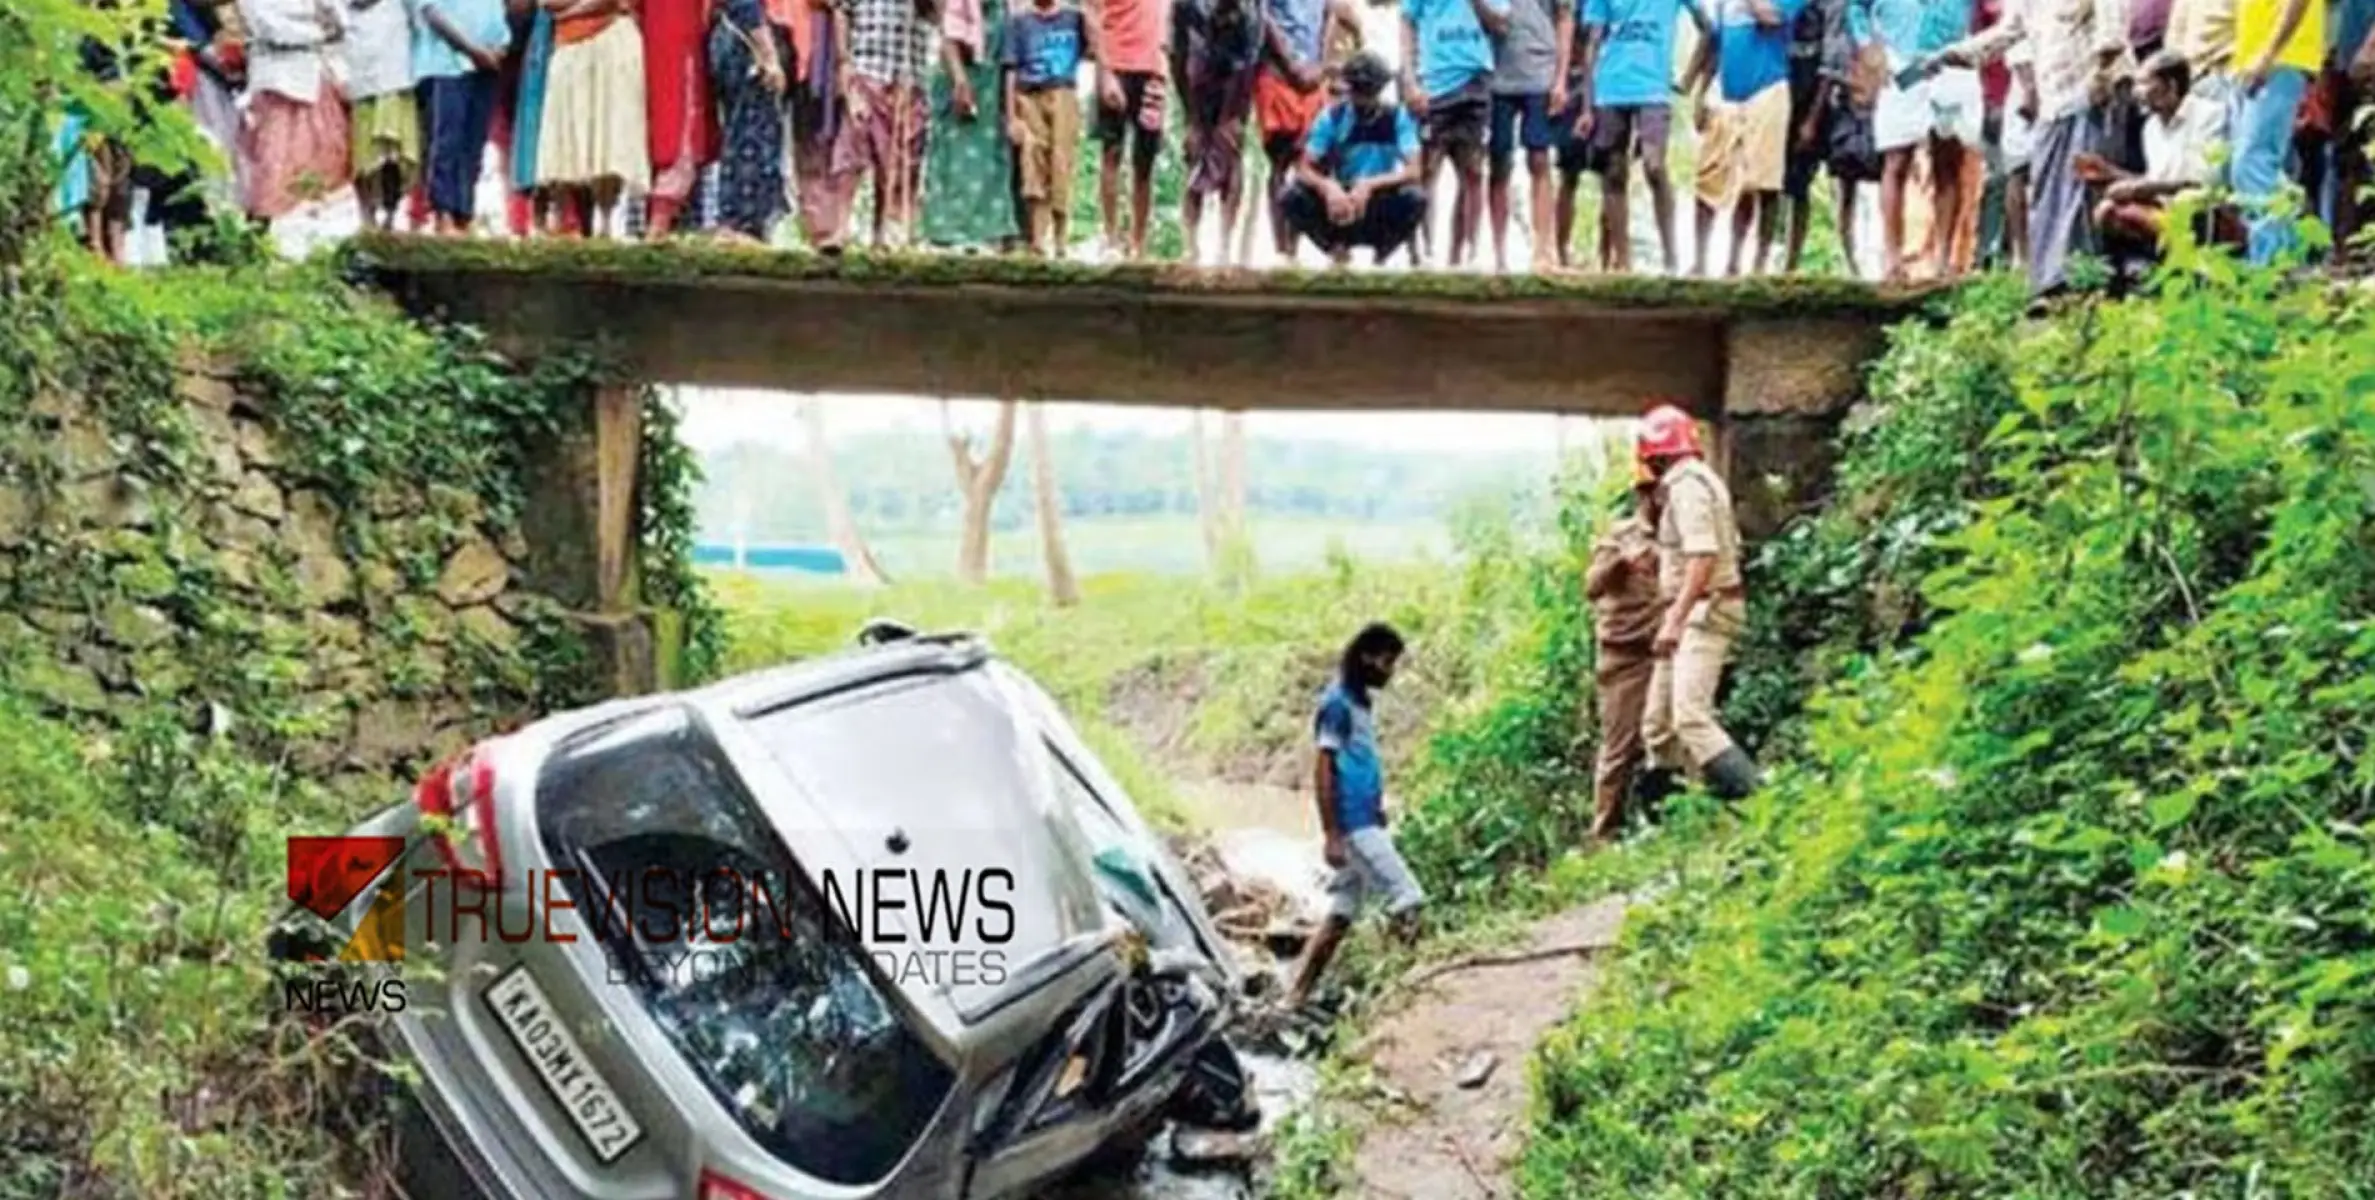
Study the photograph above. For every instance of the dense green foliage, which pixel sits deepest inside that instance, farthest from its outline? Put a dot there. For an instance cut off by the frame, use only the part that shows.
(2067, 892)
(141, 1047)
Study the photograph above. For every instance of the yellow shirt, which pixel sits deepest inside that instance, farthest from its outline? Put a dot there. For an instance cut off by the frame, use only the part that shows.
(2255, 28)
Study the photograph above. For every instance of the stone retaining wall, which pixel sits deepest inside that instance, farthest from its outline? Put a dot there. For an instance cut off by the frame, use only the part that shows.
(362, 639)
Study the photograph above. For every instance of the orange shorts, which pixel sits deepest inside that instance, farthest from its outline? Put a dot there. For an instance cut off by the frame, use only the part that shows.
(1283, 112)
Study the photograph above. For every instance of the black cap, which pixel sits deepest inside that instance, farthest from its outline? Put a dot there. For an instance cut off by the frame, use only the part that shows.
(1367, 73)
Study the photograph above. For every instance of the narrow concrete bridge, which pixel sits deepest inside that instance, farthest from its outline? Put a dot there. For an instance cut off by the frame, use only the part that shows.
(1771, 364)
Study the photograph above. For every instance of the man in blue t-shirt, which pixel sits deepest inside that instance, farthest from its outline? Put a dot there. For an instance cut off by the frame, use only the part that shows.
(1348, 781)
(1357, 184)
(1628, 66)
(1744, 143)
(1447, 72)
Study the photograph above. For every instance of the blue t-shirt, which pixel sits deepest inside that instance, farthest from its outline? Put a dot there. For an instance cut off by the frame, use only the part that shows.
(1452, 49)
(1636, 64)
(482, 21)
(1752, 57)
(1354, 148)
(1043, 48)
(2350, 23)
(1345, 730)
(1302, 22)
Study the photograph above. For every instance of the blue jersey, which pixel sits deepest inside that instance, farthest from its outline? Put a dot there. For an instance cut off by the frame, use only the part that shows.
(1452, 49)
(1636, 63)
(1345, 731)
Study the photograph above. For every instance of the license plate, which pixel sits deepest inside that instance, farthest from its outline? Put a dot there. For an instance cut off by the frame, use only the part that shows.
(521, 1008)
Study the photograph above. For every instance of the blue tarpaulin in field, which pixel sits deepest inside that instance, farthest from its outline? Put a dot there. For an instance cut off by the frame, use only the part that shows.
(816, 560)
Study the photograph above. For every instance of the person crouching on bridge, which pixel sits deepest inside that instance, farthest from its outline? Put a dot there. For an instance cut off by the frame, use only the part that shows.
(1705, 608)
(1358, 182)
(1622, 584)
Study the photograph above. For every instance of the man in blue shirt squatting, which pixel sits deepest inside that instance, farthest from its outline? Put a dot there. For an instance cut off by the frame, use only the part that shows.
(1447, 75)
(1744, 140)
(1628, 77)
(1349, 782)
(1358, 182)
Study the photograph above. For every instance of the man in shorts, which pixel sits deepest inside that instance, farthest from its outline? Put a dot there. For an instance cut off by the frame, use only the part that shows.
(1292, 87)
(1921, 102)
(1447, 68)
(1349, 781)
(1744, 152)
(1529, 85)
(1630, 63)
(1576, 154)
(1215, 47)
(1130, 48)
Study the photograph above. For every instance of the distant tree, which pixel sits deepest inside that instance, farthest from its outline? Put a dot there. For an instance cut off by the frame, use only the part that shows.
(1207, 500)
(1061, 586)
(840, 526)
(1236, 538)
(978, 480)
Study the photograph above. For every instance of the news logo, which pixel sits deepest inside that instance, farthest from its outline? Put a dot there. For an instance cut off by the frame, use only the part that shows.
(325, 876)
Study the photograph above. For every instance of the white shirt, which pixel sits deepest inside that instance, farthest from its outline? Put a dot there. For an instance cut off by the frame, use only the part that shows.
(378, 47)
(2177, 150)
(288, 51)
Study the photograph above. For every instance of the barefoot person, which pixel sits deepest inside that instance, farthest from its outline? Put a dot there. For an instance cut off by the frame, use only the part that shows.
(1349, 784)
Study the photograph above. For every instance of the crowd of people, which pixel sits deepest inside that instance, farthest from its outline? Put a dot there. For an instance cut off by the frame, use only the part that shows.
(1997, 131)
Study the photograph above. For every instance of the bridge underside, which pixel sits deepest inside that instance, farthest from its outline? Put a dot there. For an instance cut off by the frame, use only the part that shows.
(1771, 365)
(699, 314)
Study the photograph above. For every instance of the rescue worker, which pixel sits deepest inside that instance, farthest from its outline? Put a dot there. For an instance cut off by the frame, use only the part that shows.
(1705, 608)
(1622, 584)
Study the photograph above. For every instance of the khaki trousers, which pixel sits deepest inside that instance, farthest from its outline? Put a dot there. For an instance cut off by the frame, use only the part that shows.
(1679, 724)
(1623, 685)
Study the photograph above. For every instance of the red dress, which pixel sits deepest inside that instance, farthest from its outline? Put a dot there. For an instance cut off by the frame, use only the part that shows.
(680, 117)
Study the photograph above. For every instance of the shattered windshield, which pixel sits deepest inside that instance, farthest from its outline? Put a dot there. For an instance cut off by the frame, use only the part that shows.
(709, 919)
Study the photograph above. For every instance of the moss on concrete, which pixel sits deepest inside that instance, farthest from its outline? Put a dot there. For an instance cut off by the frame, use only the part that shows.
(688, 260)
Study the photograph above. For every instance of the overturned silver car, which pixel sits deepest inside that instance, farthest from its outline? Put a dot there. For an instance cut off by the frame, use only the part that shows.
(877, 924)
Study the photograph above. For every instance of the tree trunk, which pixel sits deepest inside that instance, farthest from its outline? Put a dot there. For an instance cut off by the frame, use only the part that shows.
(978, 480)
(1232, 473)
(856, 555)
(1061, 586)
(1207, 498)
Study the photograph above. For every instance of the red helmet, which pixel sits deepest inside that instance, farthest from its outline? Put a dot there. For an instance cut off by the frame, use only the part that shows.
(1666, 432)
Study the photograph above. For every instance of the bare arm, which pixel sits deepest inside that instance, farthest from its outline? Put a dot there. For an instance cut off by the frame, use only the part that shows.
(1562, 33)
(1494, 20)
(1410, 94)
(1323, 792)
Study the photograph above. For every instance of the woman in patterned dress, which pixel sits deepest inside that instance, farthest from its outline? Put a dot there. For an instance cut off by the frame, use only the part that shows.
(968, 165)
(746, 74)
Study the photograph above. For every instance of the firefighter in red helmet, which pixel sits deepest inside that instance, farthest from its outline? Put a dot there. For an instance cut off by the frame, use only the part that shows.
(1705, 608)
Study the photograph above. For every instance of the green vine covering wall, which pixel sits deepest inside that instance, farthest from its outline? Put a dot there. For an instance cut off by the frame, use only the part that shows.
(262, 555)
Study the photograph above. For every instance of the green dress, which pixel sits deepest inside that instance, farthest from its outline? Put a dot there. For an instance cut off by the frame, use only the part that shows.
(968, 165)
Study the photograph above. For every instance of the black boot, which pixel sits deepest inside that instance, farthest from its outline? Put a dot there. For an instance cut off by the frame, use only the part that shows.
(1732, 774)
(1650, 789)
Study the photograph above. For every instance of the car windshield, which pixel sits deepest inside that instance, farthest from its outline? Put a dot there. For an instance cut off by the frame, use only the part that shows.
(707, 916)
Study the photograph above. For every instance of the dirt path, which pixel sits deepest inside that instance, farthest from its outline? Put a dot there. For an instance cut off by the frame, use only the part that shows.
(1454, 1142)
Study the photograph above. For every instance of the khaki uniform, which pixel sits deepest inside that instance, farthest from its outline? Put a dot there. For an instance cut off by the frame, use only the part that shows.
(1679, 724)
(1625, 613)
